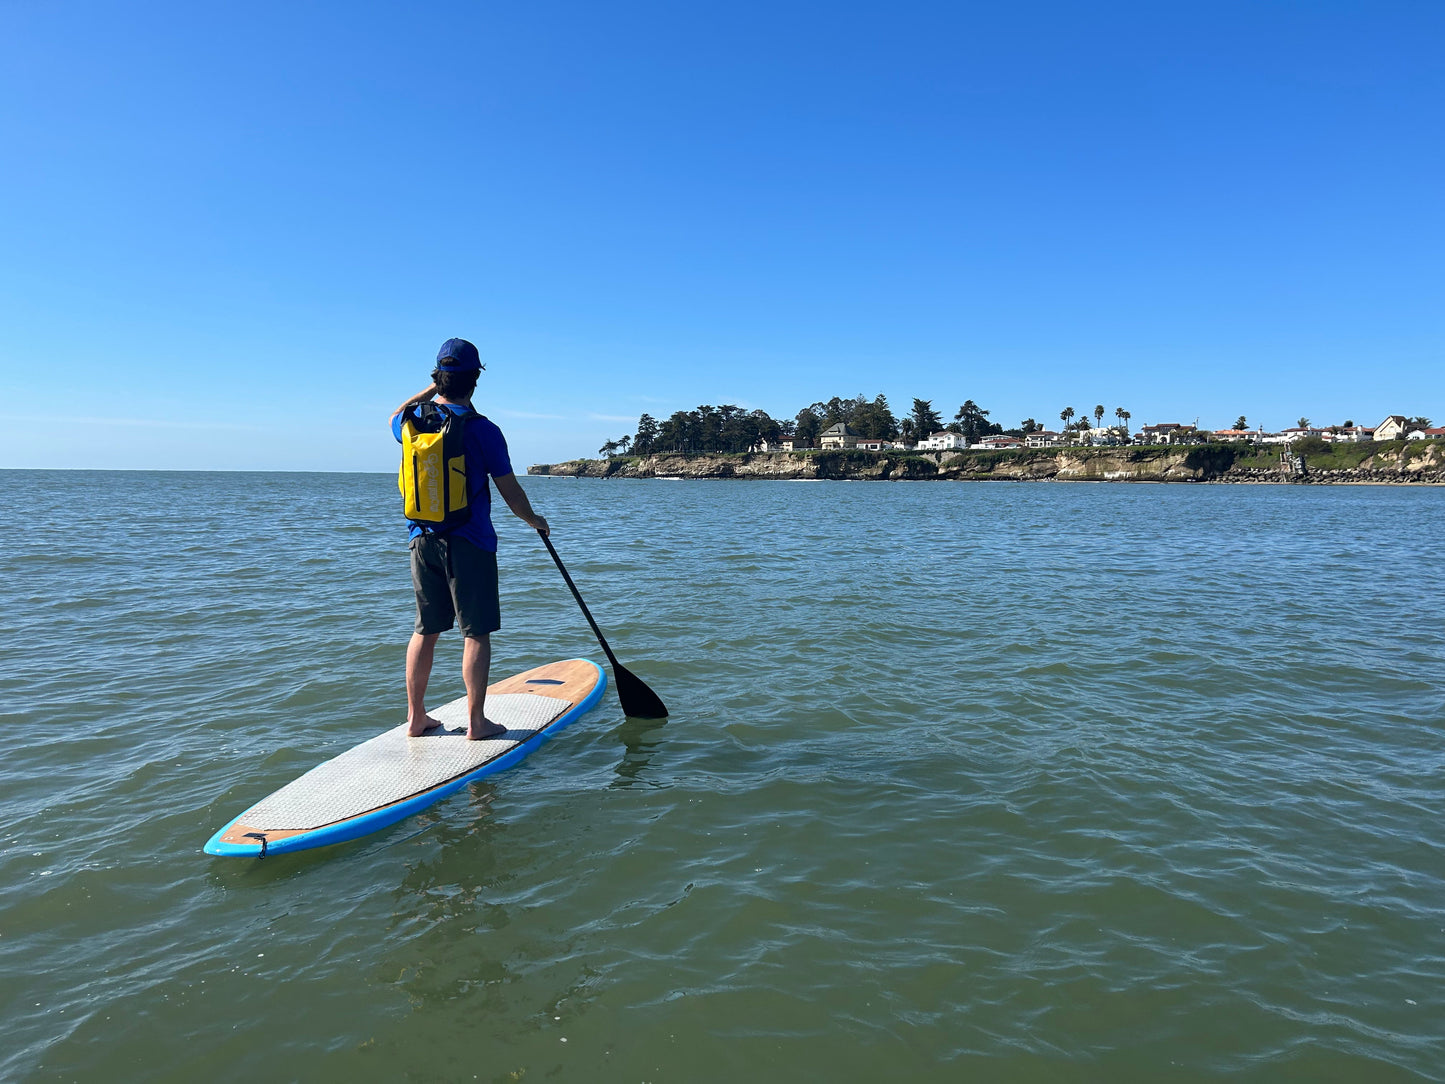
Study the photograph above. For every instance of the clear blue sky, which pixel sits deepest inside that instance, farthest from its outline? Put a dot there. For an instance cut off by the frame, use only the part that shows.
(233, 235)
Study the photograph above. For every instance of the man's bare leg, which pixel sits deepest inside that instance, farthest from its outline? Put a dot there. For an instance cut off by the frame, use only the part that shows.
(418, 672)
(476, 664)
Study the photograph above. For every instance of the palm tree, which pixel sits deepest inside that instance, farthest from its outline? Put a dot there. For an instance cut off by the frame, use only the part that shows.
(1065, 415)
(1098, 415)
(1304, 423)
(607, 449)
(1124, 416)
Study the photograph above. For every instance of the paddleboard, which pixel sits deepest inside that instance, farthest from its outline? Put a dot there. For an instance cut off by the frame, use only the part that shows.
(392, 776)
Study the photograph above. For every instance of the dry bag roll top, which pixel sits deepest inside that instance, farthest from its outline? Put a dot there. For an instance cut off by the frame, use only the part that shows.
(433, 478)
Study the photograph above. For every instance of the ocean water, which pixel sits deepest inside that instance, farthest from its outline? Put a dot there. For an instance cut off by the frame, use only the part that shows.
(963, 781)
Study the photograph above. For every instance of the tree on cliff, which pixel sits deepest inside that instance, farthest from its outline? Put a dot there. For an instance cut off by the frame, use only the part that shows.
(1304, 423)
(675, 434)
(838, 409)
(732, 430)
(705, 428)
(1028, 425)
(727, 428)
(767, 427)
(1065, 415)
(808, 426)
(743, 430)
(926, 420)
(646, 434)
(615, 447)
(973, 422)
(1241, 422)
(874, 420)
(1098, 415)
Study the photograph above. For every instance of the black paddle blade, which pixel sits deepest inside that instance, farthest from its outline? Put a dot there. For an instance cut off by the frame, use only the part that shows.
(638, 701)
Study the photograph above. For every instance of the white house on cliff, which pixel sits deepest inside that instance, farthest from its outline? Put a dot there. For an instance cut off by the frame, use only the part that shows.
(838, 435)
(1392, 428)
(942, 442)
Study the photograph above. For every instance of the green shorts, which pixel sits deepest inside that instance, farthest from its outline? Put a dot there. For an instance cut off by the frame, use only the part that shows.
(454, 580)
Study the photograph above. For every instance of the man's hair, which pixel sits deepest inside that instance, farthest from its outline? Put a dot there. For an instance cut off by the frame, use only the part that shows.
(455, 386)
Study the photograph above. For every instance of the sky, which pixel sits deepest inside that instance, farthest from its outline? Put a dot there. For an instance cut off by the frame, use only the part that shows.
(233, 236)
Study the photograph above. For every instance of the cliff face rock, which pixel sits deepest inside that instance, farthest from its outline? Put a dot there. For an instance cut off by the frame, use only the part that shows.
(776, 465)
(1421, 458)
(1091, 465)
(1201, 463)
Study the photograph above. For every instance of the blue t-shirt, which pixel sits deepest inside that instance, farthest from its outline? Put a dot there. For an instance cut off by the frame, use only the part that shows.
(486, 451)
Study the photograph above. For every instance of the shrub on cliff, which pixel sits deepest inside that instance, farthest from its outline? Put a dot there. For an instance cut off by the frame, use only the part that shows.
(916, 466)
(833, 460)
(1210, 459)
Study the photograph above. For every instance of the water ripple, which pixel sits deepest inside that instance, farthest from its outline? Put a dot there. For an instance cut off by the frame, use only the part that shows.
(1037, 781)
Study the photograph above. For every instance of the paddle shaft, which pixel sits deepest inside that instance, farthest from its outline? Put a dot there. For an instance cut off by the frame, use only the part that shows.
(637, 699)
(578, 596)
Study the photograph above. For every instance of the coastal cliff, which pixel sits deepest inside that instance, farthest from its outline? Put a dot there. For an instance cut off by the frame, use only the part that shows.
(1399, 461)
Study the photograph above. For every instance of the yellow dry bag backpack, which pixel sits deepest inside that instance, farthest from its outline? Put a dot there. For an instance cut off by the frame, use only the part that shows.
(433, 478)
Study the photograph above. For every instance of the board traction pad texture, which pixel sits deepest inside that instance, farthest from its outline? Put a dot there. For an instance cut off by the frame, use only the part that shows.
(392, 766)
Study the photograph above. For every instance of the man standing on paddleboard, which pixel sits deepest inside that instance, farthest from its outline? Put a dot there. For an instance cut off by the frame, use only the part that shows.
(454, 568)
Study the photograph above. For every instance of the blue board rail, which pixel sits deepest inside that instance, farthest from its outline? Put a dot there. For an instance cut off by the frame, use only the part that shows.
(374, 821)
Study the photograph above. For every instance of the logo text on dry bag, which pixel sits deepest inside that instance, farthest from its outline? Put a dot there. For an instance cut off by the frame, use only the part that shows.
(432, 472)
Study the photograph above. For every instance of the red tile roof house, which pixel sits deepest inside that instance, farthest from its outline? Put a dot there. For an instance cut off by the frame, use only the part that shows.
(998, 442)
(1163, 433)
(1285, 436)
(1349, 434)
(1238, 434)
(1427, 434)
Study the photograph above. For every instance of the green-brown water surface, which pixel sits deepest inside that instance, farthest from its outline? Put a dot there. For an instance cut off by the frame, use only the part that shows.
(963, 782)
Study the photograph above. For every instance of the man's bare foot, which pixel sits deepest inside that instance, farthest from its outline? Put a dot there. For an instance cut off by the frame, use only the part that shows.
(488, 729)
(416, 730)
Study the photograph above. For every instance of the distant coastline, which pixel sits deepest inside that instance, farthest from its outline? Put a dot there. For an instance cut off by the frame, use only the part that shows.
(1393, 462)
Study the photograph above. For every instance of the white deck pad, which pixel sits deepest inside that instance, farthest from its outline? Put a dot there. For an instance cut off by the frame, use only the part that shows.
(392, 766)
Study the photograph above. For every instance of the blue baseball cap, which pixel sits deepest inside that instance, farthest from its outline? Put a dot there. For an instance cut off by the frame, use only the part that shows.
(462, 354)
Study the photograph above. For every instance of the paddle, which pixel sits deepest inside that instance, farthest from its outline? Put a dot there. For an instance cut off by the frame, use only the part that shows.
(638, 701)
